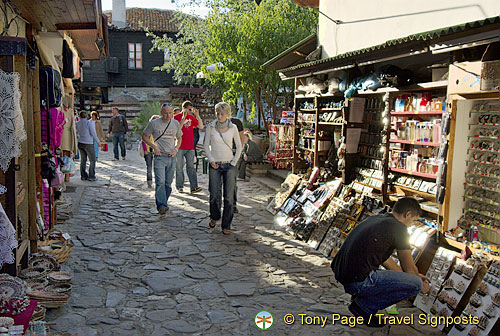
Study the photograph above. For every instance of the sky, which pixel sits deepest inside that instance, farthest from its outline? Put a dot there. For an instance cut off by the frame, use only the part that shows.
(161, 4)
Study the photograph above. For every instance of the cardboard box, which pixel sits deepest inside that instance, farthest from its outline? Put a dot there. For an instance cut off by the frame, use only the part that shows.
(490, 75)
(464, 77)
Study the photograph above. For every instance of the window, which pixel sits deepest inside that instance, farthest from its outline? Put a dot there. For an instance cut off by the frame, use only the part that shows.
(135, 55)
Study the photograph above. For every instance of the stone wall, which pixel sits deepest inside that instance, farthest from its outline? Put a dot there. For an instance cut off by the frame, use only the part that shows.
(142, 94)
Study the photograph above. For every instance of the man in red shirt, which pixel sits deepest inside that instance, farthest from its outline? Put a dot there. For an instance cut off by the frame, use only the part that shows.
(189, 118)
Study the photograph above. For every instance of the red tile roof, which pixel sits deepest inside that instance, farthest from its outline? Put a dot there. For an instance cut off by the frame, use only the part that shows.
(158, 20)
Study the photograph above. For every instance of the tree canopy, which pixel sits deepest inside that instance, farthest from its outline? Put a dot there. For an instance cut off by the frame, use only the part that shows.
(239, 36)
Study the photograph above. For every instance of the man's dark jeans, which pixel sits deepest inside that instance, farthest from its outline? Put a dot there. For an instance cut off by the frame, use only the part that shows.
(222, 177)
(87, 150)
(381, 289)
(119, 137)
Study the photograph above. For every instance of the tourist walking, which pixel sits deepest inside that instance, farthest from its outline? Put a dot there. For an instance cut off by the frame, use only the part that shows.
(371, 244)
(219, 138)
(189, 119)
(251, 154)
(167, 138)
(95, 119)
(86, 137)
(239, 125)
(148, 156)
(118, 128)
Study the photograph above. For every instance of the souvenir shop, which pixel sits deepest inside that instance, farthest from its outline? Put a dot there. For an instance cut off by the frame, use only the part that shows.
(39, 60)
(369, 129)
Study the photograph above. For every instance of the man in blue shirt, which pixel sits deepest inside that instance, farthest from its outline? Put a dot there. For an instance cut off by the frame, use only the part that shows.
(86, 136)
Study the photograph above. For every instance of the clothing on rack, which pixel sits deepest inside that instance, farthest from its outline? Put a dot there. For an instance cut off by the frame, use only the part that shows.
(12, 132)
(8, 240)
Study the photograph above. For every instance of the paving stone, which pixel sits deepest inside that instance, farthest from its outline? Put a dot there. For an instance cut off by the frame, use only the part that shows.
(180, 326)
(161, 315)
(155, 248)
(96, 266)
(115, 262)
(235, 288)
(208, 290)
(187, 307)
(221, 317)
(67, 322)
(141, 291)
(198, 272)
(114, 298)
(166, 282)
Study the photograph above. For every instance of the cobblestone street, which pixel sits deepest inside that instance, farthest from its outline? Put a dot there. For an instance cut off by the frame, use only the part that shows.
(137, 273)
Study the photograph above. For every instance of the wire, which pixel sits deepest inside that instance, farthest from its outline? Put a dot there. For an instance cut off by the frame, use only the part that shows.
(9, 5)
(329, 18)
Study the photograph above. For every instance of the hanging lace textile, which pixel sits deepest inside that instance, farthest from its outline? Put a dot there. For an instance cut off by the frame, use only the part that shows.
(12, 132)
(8, 240)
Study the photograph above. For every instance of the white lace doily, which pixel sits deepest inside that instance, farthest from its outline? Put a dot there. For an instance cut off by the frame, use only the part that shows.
(12, 131)
(8, 240)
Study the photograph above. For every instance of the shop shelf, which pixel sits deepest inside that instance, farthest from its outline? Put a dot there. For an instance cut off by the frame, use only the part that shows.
(376, 145)
(322, 153)
(307, 110)
(330, 123)
(483, 213)
(484, 137)
(409, 172)
(330, 109)
(284, 158)
(420, 143)
(413, 87)
(306, 149)
(484, 162)
(481, 187)
(316, 95)
(472, 172)
(484, 124)
(485, 150)
(426, 113)
(366, 185)
(488, 112)
(307, 136)
(481, 200)
(417, 192)
(306, 122)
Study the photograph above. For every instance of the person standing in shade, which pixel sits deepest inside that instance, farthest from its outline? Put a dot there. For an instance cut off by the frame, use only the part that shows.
(251, 153)
(149, 156)
(96, 121)
(167, 138)
(86, 137)
(189, 118)
(370, 245)
(219, 138)
(239, 125)
(118, 127)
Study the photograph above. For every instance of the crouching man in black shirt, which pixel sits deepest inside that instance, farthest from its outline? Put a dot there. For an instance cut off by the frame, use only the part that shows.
(370, 245)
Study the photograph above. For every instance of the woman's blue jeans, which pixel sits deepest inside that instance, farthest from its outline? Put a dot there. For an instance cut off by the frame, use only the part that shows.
(382, 289)
(222, 179)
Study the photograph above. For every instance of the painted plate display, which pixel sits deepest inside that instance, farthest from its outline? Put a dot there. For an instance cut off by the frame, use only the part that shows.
(12, 287)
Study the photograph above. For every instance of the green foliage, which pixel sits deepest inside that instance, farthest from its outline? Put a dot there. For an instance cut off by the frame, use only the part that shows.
(142, 119)
(240, 36)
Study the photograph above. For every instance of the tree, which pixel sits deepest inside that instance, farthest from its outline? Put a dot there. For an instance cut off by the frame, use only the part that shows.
(147, 110)
(240, 36)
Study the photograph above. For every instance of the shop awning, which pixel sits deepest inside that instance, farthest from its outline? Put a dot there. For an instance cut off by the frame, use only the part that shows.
(81, 19)
(294, 55)
(401, 47)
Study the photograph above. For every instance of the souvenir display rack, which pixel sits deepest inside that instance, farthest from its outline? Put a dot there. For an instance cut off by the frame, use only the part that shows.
(280, 151)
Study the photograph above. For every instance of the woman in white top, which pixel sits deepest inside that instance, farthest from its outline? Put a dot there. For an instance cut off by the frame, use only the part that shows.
(219, 138)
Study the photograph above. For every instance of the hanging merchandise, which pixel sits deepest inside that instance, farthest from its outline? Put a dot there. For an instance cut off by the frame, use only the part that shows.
(8, 240)
(3, 190)
(12, 132)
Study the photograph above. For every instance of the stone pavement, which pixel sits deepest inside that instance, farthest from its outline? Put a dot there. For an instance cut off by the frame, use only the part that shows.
(138, 273)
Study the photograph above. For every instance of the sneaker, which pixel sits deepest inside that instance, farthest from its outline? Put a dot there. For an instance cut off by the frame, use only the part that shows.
(372, 322)
(115, 159)
(163, 210)
(84, 178)
(180, 190)
(195, 190)
(123, 158)
(150, 185)
(235, 210)
(92, 179)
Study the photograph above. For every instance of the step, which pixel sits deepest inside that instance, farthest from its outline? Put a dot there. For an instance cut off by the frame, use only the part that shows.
(267, 182)
(278, 174)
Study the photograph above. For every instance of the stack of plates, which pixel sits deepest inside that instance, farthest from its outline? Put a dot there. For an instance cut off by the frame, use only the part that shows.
(44, 260)
(39, 313)
(49, 299)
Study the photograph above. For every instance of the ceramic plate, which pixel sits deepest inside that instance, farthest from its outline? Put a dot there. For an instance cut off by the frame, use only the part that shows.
(12, 287)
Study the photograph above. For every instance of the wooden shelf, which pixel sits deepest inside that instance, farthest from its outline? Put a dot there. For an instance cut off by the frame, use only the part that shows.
(330, 109)
(409, 172)
(331, 124)
(413, 142)
(413, 87)
(461, 247)
(426, 113)
(372, 157)
(369, 186)
(307, 110)
(417, 192)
